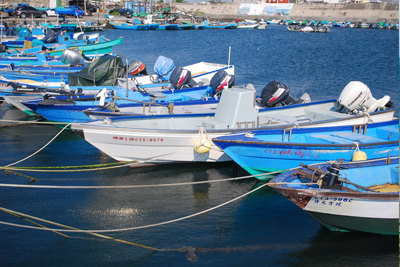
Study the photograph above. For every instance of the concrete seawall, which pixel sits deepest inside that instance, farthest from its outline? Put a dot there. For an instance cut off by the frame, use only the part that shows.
(370, 12)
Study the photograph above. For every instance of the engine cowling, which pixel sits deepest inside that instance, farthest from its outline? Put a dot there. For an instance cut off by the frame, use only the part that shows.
(220, 80)
(357, 97)
(71, 57)
(277, 94)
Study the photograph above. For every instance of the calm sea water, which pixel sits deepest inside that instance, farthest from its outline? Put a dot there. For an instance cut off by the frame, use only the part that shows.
(261, 229)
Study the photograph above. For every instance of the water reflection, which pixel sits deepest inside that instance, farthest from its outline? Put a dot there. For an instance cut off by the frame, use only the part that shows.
(329, 248)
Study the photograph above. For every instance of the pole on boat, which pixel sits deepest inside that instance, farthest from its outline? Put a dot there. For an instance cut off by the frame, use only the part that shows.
(229, 57)
(1, 40)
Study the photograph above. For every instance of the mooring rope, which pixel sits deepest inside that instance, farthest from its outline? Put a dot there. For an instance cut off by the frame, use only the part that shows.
(128, 228)
(40, 148)
(86, 168)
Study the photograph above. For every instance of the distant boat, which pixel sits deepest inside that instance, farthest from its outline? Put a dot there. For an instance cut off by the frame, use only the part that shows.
(358, 196)
(248, 26)
(218, 25)
(168, 26)
(129, 26)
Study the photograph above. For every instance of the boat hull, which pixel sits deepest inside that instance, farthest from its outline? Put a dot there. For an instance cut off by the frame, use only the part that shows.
(371, 208)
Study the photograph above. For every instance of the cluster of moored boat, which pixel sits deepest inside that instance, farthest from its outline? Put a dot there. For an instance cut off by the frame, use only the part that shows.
(149, 24)
(196, 113)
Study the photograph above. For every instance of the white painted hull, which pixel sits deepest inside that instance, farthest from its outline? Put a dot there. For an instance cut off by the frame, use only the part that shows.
(153, 147)
(354, 207)
(172, 146)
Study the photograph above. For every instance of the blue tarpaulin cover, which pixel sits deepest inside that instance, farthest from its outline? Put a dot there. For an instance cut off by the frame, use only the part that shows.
(163, 67)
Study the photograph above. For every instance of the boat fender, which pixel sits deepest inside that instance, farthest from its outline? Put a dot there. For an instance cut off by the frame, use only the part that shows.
(202, 144)
(359, 155)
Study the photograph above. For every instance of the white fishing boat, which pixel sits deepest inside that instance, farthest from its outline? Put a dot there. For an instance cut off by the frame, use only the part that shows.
(199, 72)
(186, 138)
(248, 26)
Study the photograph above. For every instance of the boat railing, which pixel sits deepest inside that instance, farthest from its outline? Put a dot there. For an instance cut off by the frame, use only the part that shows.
(112, 105)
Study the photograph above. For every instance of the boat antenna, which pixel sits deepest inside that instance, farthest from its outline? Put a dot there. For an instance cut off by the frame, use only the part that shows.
(229, 57)
(1, 32)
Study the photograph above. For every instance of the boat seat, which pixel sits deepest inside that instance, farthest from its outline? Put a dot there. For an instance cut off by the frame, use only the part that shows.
(236, 109)
(327, 138)
(360, 138)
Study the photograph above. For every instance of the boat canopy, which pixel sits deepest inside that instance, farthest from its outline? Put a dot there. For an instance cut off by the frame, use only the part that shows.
(163, 67)
(103, 71)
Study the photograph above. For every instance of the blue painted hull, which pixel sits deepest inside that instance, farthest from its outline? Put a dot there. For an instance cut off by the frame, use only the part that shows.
(74, 112)
(271, 151)
(168, 27)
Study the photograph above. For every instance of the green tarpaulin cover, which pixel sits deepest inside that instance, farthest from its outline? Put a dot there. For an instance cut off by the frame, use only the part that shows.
(99, 73)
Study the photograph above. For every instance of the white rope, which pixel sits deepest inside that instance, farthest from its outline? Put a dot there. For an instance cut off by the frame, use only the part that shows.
(40, 148)
(133, 228)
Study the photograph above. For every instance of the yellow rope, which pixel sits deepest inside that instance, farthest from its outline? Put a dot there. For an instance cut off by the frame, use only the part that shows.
(76, 229)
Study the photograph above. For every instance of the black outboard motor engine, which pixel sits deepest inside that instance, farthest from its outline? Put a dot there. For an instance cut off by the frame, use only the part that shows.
(331, 180)
(50, 37)
(220, 80)
(181, 78)
(11, 32)
(277, 94)
(3, 48)
(137, 67)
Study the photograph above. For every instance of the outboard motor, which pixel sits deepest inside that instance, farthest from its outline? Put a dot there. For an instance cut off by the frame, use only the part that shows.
(50, 37)
(357, 97)
(137, 67)
(3, 48)
(277, 94)
(181, 78)
(331, 180)
(220, 80)
(71, 57)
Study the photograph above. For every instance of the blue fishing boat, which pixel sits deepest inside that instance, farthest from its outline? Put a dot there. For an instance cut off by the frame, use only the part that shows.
(129, 26)
(218, 25)
(168, 26)
(358, 196)
(72, 110)
(263, 151)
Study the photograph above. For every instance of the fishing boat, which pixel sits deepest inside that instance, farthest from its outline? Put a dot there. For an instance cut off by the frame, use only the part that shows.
(187, 138)
(136, 74)
(360, 196)
(247, 26)
(129, 26)
(168, 26)
(101, 46)
(218, 25)
(202, 98)
(164, 66)
(185, 25)
(264, 151)
(293, 28)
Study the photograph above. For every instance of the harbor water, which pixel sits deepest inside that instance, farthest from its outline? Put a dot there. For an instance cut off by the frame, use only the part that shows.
(259, 229)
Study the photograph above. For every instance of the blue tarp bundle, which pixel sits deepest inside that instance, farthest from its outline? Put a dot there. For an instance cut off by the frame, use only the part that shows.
(163, 67)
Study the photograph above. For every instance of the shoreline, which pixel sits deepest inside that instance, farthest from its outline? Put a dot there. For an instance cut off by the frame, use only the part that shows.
(366, 12)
